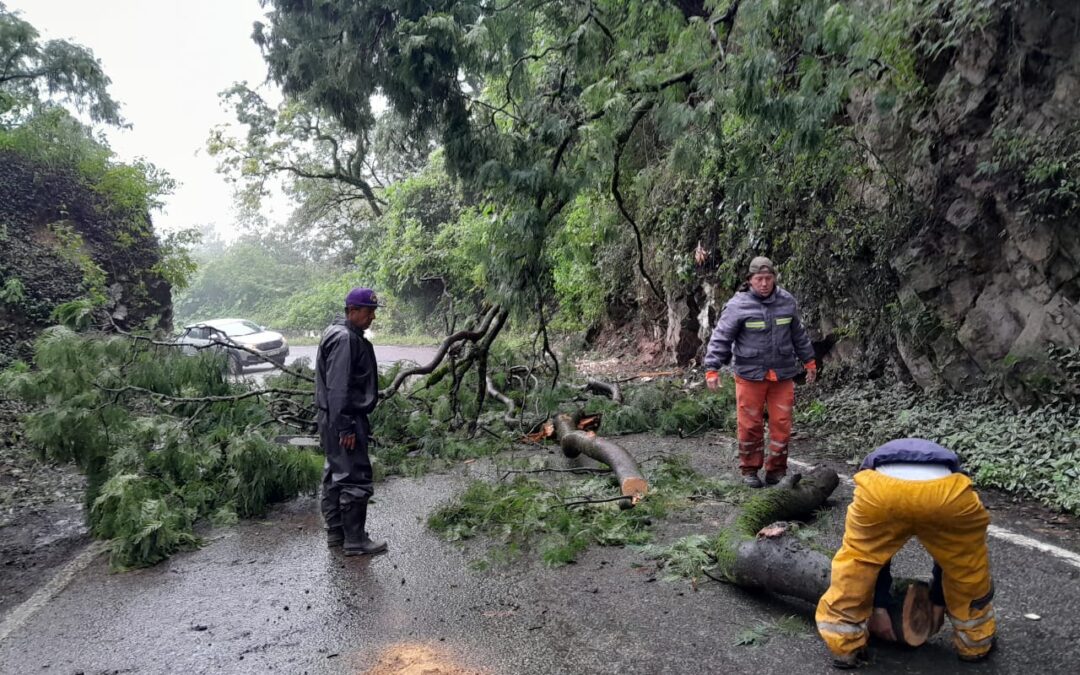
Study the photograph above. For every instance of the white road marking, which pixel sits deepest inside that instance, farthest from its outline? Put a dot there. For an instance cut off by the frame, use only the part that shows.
(1064, 555)
(35, 602)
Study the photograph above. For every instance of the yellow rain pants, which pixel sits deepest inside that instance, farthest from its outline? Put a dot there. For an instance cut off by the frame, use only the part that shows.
(948, 519)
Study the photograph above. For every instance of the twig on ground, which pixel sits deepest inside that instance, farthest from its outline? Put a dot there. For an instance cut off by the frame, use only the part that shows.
(598, 501)
(576, 469)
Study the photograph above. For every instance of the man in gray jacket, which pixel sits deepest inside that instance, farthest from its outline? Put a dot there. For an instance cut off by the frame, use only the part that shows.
(760, 328)
(346, 391)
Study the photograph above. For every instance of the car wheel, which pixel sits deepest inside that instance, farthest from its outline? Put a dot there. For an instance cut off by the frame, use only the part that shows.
(235, 367)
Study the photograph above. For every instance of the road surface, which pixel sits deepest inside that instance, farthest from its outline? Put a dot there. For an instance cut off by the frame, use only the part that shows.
(385, 355)
(267, 596)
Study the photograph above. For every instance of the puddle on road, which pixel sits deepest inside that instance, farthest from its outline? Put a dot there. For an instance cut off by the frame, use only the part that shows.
(408, 658)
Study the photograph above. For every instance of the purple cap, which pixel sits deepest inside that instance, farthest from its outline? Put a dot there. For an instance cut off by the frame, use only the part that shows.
(362, 297)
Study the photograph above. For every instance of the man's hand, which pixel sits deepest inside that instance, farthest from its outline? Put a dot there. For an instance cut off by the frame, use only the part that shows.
(880, 624)
(713, 381)
(347, 441)
(811, 372)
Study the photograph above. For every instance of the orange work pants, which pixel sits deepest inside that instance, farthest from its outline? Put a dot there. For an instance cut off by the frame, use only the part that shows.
(948, 519)
(751, 399)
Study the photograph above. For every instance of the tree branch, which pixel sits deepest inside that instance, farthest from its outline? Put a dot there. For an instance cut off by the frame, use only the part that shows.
(463, 335)
(637, 113)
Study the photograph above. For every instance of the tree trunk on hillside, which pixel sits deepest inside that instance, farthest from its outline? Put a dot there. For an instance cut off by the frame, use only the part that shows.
(575, 442)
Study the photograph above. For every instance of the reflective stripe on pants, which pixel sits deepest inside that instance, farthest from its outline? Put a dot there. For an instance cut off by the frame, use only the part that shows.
(752, 398)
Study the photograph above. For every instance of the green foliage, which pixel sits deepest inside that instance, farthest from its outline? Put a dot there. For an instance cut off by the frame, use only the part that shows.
(37, 71)
(78, 315)
(789, 626)
(261, 280)
(529, 513)
(177, 264)
(13, 292)
(145, 528)
(155, 468)
(686, 558)
(667, 408)
(753, 637)
(1034, 453)
(1045, 164)
(75, 251)
(725, 128)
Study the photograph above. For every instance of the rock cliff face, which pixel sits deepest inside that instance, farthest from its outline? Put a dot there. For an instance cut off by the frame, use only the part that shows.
(990, 273)
(997, 275)
(43, 266)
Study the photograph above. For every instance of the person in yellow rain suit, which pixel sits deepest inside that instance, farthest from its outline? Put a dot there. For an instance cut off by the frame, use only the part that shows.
(910, 488)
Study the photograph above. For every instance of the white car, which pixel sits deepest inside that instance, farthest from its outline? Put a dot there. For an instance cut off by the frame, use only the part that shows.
(267, 343)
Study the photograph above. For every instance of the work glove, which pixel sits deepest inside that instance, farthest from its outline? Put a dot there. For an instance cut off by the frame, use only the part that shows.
(712, 380)
(811, 372)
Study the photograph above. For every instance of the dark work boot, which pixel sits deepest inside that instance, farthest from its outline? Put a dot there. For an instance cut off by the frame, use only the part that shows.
(774, 477)
(335, 536)
(856, 659)
(751, 480)
(357, 541)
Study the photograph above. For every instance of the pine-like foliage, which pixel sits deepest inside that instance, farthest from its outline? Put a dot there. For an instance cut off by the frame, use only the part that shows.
(156, 465)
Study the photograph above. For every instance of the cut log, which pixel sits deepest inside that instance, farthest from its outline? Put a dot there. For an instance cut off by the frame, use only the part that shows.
(778, 562)
(610, 389)
(575, 442)
(795, 497)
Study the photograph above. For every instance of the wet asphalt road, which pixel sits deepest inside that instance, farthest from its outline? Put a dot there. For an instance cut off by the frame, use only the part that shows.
(384, 354)
(268, 596)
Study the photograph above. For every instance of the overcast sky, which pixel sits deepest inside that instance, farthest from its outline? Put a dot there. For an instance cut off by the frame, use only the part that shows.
(168, 59)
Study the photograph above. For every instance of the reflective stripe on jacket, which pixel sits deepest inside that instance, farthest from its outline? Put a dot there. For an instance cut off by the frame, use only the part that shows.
(761, 334)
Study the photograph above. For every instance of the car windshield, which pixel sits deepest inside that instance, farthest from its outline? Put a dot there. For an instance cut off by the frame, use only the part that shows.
(237, 328)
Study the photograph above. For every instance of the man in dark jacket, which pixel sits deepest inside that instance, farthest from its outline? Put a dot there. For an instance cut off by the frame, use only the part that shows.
(346, 391)
(760, 327)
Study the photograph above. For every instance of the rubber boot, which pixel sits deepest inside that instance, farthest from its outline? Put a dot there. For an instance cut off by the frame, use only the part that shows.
(774, 477)
(335, 536)
(357, 541)
(751, 480)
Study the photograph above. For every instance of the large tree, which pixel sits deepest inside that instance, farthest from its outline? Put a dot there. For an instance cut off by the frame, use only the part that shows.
(336, 176)
(34, 71)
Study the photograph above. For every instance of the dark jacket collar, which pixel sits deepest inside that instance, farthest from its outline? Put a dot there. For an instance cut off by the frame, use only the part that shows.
(340, 320)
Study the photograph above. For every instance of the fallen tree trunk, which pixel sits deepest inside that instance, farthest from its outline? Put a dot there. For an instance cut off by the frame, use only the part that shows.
(778, 562)
(574, 442)
(796, 497)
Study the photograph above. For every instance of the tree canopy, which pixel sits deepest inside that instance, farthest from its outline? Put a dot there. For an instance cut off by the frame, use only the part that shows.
(632, 108)
(36, 71)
